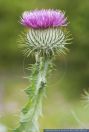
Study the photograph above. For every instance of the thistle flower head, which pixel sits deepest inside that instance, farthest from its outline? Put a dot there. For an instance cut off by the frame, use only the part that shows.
(43, 19)
(46, 34)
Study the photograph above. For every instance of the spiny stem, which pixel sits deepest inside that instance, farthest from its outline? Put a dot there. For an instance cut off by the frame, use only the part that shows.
(33, 109)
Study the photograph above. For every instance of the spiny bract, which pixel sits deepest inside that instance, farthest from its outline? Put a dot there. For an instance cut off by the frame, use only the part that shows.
(47, 42)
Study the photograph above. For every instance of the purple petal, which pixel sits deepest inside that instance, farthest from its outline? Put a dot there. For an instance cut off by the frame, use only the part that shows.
(43, 19)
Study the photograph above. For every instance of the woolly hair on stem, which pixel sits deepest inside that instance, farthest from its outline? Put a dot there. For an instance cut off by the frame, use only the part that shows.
(46, 37)
(36, 91)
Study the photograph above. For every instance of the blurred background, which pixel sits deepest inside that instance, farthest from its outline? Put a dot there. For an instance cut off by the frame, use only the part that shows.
(63, 106)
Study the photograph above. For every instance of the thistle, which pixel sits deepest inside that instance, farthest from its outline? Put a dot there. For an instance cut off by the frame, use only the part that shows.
(46, 37)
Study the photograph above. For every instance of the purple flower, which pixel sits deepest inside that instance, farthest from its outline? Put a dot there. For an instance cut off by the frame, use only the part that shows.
(43, 19)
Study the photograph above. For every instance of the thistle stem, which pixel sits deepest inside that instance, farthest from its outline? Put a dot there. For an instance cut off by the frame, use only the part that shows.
(33, 109)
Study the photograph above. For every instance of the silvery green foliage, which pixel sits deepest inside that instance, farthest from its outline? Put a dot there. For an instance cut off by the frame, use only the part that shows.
(36, 91)
(47, 42)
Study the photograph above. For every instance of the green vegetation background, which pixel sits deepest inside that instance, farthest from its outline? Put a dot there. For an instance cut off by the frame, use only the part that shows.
(66, 84)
